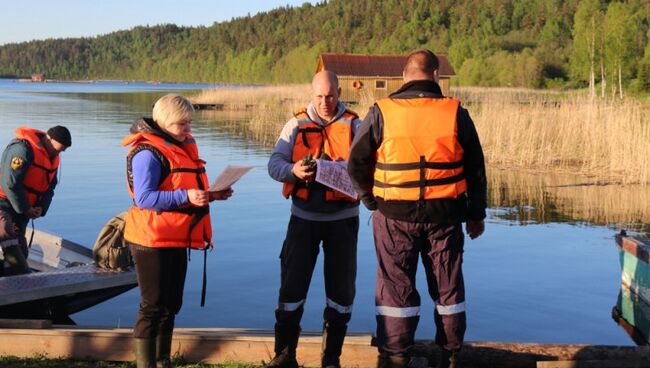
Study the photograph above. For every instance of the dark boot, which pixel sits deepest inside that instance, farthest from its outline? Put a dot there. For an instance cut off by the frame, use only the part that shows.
(448, 359)
(386, 360)
(333, 337)
(163, 351)
(286, 342)
(145, 353)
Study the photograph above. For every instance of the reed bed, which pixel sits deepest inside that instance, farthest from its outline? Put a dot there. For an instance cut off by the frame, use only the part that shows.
(572, 133)
(241, 97)
(519, 129)
(259, 112)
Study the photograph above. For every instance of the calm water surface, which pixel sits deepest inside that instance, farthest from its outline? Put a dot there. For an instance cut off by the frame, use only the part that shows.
(546, 269)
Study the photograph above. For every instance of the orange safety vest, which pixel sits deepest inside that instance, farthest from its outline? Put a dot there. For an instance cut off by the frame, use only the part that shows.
(187, 225)
(334, 140)
(419, 157)
(42, 170)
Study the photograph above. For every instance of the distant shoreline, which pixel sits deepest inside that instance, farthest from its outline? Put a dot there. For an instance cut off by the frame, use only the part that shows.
(29, 80)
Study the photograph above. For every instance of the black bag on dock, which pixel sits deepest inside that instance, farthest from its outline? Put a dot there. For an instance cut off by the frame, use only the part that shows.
(110, 250)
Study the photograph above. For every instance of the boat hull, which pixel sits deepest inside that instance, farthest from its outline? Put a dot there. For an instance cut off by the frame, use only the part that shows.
(65, 281)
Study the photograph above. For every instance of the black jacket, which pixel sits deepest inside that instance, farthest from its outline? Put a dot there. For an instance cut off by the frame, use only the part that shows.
(361, 167)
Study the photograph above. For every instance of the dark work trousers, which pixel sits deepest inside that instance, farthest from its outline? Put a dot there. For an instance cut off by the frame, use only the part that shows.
(398, 245)
(297, 261)
(14, 244)
(161, 278)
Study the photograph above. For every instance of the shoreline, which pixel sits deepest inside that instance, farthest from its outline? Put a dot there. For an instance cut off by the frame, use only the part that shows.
(253, 347)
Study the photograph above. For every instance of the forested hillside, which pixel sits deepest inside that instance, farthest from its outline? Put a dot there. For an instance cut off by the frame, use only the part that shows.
(529, 43)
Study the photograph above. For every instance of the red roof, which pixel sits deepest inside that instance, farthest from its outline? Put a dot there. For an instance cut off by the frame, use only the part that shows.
(374, 65)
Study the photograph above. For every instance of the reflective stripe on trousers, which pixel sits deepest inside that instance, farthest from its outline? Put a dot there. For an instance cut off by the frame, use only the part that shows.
(399, 245)
(298, 258)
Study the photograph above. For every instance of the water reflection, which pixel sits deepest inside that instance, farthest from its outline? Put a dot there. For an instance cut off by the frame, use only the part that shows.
(632, 310)
(533, 198)
(633, 315)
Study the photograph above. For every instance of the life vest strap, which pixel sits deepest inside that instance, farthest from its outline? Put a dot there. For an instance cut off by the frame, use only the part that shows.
(32, 190)
(304, 131)
(419, 165)
(189, 170)
(425, 183)
(47, 170)
(190, 211)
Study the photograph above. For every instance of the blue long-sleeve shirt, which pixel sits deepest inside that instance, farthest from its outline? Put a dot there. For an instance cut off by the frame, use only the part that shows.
(146, 177)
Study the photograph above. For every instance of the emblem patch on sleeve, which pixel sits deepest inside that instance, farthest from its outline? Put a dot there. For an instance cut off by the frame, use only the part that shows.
(16, 163)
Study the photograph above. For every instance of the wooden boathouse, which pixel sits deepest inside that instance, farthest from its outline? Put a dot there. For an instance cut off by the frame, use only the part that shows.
(370, 77)
(38, 77)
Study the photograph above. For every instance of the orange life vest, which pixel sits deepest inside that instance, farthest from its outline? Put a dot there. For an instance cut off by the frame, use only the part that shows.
(419, 157)
(333, 140)
(42, 170)
(186, 226)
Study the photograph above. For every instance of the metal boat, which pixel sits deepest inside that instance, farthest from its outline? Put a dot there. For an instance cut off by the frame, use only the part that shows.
(64, 281)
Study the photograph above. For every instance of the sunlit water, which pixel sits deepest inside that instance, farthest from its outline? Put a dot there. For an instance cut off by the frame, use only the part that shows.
(530, 278)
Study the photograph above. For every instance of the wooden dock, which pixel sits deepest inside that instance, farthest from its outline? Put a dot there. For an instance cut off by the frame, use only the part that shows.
(254, 346)
(223, 106)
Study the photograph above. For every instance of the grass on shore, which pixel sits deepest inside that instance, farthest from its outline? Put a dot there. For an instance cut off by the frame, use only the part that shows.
(42, 362)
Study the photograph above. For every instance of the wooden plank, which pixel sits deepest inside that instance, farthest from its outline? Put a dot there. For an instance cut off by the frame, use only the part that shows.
(255, 346)
(25, 323)
(593, 364)
(202, 345)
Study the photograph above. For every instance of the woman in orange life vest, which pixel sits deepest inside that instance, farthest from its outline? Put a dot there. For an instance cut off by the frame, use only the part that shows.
(168, 185)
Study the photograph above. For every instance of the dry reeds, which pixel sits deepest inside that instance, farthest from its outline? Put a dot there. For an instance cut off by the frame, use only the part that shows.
(519, 128)
(572, 133)
(241, 97)
(261, 110)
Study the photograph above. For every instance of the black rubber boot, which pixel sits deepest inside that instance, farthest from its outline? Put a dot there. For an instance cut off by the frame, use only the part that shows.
(145, 353)
(448, 359)
(286, 342)
(163, 351)
(386, 360)
(333, 337)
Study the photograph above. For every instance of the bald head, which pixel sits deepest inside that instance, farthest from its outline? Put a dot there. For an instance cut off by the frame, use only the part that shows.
(325, 76)
(325, 93)
(421, 64)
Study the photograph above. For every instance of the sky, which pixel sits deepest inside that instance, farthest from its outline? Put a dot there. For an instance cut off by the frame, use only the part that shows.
(26, 20)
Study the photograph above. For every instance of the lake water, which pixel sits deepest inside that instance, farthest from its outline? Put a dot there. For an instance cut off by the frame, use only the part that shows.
(546, 270)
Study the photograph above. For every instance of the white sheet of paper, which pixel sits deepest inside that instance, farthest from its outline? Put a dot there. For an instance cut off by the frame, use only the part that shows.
(334, 174)
(228, 177)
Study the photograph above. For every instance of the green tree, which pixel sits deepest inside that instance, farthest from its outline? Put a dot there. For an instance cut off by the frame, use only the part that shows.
(643, 77)
(586, 32)
(620, 45)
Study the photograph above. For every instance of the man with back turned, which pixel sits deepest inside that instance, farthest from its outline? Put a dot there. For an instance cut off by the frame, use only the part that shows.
(28, 170)
(418, 162)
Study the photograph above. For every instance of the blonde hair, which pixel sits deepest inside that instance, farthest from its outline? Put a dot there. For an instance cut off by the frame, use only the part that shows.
(172, 108)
